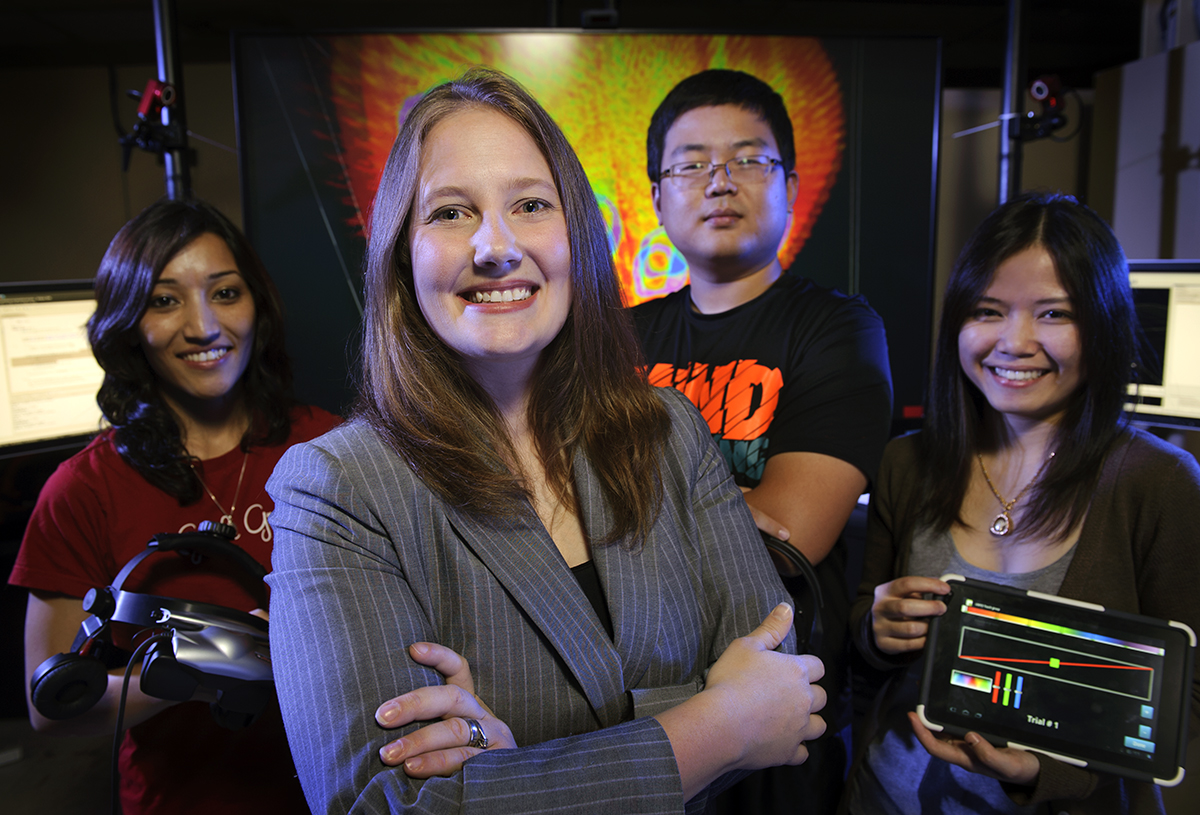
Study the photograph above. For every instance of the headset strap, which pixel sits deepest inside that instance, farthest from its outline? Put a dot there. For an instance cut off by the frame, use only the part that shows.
(207, 542)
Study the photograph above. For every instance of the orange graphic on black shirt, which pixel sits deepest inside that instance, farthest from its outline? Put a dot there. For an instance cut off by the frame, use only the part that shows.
(738, 399)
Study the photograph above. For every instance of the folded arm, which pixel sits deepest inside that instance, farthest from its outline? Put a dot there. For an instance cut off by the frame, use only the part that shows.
(363, 571)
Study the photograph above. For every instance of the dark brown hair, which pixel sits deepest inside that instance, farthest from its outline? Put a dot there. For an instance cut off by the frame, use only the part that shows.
(588, 393)
(146, 433)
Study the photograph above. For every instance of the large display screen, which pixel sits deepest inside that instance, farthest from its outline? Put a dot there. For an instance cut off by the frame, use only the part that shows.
(317, 116)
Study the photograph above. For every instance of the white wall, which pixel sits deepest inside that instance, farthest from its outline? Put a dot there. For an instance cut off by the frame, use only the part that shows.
(1158, 156)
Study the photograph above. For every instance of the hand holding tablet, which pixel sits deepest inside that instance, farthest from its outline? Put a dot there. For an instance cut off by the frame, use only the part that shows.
(976, 754)
(1088, 686)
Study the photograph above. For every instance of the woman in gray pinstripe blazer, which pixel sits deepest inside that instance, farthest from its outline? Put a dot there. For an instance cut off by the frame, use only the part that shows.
(515, 513)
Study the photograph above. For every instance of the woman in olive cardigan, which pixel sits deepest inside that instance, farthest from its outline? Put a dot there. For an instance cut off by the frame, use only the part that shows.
(1025, 474)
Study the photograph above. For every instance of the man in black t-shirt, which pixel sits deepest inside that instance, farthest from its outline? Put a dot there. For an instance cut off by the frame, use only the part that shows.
(793, 379)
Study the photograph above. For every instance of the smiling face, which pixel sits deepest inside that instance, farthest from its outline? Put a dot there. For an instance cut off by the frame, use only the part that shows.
(1021, 345)
(724, 229)
(198, 329)
(488, 243)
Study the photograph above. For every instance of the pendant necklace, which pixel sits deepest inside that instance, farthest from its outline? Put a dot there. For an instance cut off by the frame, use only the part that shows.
(226, 517)
(1003, 524)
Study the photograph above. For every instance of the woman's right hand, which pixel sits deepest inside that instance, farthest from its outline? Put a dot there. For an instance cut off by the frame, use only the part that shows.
(773, 692)
(439, 748)
(756, 710)
(899, 615)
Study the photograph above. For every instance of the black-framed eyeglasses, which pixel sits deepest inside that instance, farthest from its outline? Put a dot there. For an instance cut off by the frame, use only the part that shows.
(743, 169)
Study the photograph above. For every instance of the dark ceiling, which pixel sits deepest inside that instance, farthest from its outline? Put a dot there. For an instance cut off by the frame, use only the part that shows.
(1071, 38)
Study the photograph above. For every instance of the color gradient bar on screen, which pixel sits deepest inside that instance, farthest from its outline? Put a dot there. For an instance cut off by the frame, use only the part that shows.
(1061, 629)
(971, 681)
(1020, 684)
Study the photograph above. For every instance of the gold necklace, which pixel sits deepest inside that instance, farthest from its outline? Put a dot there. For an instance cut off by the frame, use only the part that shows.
(1003, 524)
(226, 517)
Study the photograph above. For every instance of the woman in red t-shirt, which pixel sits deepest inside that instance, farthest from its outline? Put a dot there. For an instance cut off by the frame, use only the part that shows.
(197, 395)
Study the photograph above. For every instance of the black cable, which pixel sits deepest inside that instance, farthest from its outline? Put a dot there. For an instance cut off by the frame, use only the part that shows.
(121, 136)
(799, 563)
(120, 731)
(112, 100)
(1078, 126)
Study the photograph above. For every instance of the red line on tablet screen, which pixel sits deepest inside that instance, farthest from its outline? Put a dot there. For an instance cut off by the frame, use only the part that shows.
(1057, 663)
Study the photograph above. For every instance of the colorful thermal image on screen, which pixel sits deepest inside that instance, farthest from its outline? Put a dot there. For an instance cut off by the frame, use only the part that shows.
(602, 90)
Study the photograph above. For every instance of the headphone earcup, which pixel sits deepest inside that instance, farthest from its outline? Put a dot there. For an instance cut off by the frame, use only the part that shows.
(68, 685)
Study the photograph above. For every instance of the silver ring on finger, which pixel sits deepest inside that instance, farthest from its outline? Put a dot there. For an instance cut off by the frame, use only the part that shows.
(478, 738)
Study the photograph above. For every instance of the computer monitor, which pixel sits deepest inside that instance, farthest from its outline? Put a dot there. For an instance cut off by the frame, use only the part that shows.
(48, 376)
(1166, 386)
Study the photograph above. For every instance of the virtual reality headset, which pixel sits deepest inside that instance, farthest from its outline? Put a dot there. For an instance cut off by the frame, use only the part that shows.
(185, 646)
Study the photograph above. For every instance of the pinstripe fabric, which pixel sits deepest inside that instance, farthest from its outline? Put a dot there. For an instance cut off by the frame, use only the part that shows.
(367, 561)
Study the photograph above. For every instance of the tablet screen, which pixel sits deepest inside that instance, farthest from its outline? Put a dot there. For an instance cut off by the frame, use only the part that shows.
(1101, 688)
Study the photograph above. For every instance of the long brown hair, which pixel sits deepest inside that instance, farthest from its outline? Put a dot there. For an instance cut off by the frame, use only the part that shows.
(588, 393)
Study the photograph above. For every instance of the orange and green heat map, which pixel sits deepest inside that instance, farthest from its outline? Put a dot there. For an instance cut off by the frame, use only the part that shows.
(602, 90)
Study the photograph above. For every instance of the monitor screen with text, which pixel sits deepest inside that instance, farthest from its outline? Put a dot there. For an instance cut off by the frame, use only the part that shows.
(49, 378)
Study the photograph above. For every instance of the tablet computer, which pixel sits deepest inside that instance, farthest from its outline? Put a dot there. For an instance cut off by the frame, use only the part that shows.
(1092, 687)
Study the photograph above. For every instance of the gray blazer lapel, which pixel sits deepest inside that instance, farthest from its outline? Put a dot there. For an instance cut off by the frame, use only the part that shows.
(630, 581)
(523, 558)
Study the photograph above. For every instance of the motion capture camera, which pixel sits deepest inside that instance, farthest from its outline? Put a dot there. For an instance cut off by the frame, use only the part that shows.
(188, 646)
(154, 98)
(149, 132)
(1049, 91)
